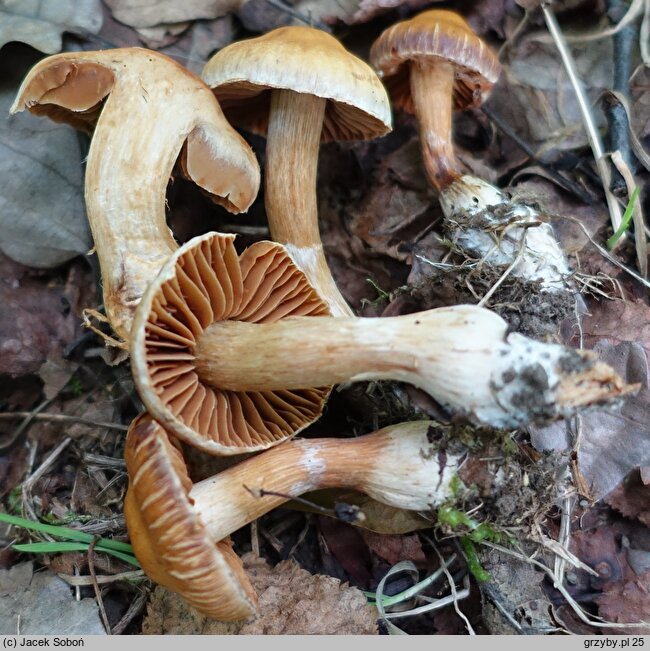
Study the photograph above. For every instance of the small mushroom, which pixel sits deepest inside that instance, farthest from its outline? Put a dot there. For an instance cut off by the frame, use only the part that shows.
(299, 86)
(179, 531)
(187, 352)
(146, 108)
(431, 64)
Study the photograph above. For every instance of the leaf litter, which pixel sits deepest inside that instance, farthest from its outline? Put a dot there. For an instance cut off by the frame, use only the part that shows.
(381, 230)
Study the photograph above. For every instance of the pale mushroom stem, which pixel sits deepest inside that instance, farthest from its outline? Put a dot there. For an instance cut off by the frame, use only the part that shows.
(293, 141)
(396, 466)
(432, 91)
(462, 356)
(126, 206)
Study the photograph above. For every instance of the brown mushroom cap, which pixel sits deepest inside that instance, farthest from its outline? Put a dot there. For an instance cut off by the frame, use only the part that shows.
(304, 60)
(73, 88)
(169, 538)
(435, 34)
(204, 282)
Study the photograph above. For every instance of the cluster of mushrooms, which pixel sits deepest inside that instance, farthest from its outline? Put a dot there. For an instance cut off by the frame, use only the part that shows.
(237, 353)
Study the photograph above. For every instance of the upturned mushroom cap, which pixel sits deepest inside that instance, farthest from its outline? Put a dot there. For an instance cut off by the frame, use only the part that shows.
(169, 538)
(435, 34)
(204, 282)
(79, 88)
(304, 60)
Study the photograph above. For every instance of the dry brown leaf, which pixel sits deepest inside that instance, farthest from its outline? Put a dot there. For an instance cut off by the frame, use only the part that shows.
(352, 12)
(291, 601)
(394, 549)
(632, 499)
(41, 24)
(627, 600)
(36, 318)
(615, 441)
(150, 13)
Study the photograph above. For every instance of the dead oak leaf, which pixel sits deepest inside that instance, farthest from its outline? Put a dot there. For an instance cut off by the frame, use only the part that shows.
(151, 13)
(41, 24)
(291, 602)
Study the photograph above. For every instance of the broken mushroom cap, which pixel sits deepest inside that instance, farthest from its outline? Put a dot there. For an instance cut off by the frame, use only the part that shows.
(205, 282)
(179, 531)
(303, 60)
(169, 540)
(189, 354)
(299, 86)
(146, 110)
(431, 35)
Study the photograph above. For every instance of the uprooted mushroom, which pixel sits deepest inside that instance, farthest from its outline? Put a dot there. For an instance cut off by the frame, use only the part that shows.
(145, 110)
(431, 64)
(179, 530)
(225, 374)
(299, 86)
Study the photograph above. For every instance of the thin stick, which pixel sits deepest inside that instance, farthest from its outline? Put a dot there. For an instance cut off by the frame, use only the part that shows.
(588, 121)
(505, 274)
(98, 594)
(562, 590)
(62, 418)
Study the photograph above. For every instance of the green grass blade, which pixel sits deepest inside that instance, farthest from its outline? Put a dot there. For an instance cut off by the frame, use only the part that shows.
(60, 547)
(625, 222)
(66, 532)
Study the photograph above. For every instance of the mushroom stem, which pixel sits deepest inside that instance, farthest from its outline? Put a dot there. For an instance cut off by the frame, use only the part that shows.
(126, 204)
(432, 89)
(462, 356)
(396, 465)
(293, 139)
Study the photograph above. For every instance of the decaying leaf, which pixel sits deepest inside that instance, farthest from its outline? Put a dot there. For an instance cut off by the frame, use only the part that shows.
(37, 318)
(42, 604)
(352, 12)
(291, 601)
(513, 599)
(632, 499)
(42, 215)
(149, 13)
(41, 24)
(616, 441)
(393, 548)
(627, 601)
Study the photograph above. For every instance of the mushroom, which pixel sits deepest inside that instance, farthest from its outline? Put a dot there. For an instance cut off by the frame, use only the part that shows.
(431, 64)
(189, 351)
(179, 530)
(299, 86)
(147, 108)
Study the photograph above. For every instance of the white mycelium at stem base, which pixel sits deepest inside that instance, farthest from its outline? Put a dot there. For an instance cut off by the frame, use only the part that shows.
(432, 63)
(149, 107)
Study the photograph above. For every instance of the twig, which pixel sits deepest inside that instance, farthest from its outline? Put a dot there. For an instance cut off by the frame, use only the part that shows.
(605, 253)
(101, 579)
(560, 179)
(452, 586)
(29, 417)
(134, 609)
(592, 133)
(26, 490)
(98, 594)
(640, 153)
(308, 20)
(563, 591)
(62, 418)
(505, 274)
